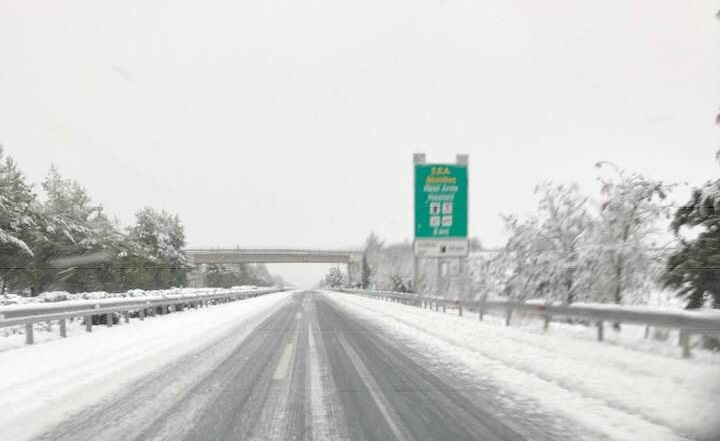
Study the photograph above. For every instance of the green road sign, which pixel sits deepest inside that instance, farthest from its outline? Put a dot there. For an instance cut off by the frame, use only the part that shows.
(441, 201)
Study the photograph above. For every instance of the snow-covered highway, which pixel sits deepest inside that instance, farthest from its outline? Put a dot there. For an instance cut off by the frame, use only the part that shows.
(330, 366)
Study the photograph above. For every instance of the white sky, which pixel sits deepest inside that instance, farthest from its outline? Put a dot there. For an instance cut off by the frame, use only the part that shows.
(293, 123)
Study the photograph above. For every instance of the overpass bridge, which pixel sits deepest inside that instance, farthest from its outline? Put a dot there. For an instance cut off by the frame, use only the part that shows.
(205, 256)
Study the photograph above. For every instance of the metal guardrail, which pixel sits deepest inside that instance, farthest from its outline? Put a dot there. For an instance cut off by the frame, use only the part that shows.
(686, 322)
(28, 315)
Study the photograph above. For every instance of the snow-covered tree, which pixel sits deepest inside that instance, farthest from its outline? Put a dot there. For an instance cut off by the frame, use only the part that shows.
(68, 242)
(18, 207)
(546, 254)
(229, 275)
(73, 227)
(387, 267)
(395, 270)
(158, 239)
(373, 254)
(695, 268)
(334, 278)
(20, 223)
(626, 229)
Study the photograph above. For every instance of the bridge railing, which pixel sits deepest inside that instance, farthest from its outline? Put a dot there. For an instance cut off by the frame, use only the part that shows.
(686, 322)
(140, 307)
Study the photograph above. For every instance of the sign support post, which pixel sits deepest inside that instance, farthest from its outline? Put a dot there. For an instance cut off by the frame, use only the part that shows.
(418, 158)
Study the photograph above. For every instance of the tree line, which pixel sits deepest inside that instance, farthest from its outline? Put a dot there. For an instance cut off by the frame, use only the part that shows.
(65, 241)
(625, 245)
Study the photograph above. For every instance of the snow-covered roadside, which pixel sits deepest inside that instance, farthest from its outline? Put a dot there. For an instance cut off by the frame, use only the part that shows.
(64, 296)
(631, 336)
(13, 337)
(621, 393)
(41, 385)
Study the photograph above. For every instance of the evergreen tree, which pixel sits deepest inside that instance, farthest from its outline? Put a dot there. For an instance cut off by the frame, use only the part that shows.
(364, 273)
(695, 268)
(156, 260)
(20, 225)
(75, 228)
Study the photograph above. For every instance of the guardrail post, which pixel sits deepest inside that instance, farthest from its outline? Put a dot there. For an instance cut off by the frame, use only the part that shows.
(88, 323)
(459, 310)
(647, 331)
(546, 323)
(109, 319)
(684, 341)
(600, 330)
(508, 315)
(126, 316)
(63, 328)
(29, 336)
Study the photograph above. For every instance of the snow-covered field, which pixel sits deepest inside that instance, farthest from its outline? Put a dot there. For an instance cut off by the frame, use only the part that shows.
(624, 393)
(42, 384)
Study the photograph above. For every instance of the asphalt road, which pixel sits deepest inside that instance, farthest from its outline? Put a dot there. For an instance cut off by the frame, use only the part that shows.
(308, 372)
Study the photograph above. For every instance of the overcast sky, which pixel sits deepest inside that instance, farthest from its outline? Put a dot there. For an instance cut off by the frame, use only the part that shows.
(293, 123)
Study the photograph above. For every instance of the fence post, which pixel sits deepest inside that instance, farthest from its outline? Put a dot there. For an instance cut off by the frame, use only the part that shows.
(507, 316)
(443, 307)
(63, 328)
(459, 309)
(546, 324)
(600, 330)
(29, 336)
